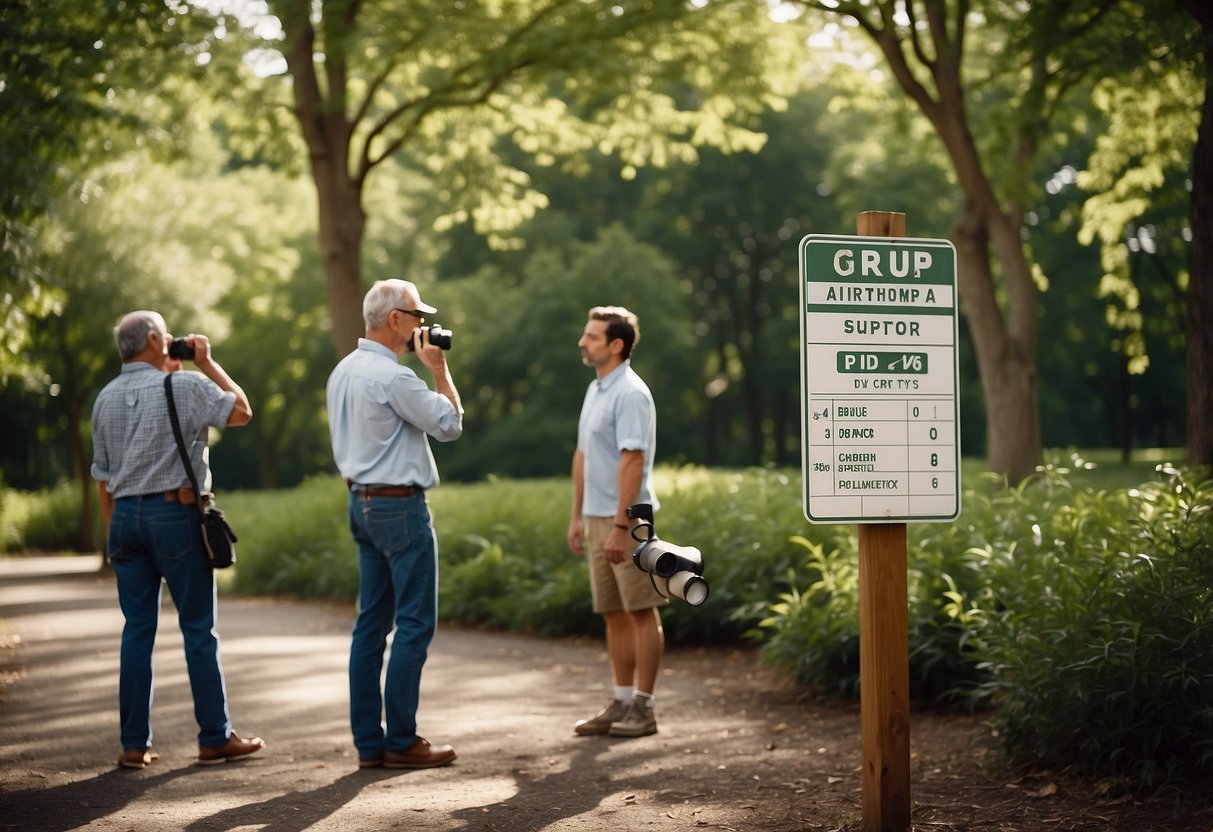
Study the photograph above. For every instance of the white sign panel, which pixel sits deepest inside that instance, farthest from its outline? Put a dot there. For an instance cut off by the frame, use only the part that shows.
(880, 413)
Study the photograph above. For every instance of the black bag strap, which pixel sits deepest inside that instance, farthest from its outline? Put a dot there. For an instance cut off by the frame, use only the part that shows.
(185, 457)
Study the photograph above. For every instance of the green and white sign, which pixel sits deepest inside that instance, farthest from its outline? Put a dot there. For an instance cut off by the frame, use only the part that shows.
(880, 425)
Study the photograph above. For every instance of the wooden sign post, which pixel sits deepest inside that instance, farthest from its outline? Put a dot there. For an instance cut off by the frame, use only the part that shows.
(884, 647)
(880, 442)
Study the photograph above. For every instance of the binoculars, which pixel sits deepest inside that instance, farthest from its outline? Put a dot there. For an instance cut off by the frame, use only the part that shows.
(674, 570)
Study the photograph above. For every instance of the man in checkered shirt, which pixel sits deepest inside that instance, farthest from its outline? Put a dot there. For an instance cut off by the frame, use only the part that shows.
(153, 526)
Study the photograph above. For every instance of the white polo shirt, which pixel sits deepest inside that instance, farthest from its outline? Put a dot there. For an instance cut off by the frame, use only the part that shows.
(617, 415)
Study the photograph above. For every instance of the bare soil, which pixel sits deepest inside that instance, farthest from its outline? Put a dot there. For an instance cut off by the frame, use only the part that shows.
(739, 748)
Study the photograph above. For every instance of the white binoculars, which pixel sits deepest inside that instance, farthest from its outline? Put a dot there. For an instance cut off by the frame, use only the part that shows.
(675, 570)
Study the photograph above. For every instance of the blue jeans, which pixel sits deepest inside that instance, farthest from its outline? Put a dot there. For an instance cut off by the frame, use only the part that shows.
(149, 539)
(398, 586)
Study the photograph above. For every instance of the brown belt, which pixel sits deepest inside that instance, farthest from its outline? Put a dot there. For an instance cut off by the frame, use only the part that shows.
(387, 491)
(185, 496)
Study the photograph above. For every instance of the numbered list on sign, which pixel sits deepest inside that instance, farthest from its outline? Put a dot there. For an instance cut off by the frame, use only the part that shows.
(881, 458)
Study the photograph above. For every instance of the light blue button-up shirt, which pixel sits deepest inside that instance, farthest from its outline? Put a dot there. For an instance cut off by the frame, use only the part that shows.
(617, 415)
(381, 415)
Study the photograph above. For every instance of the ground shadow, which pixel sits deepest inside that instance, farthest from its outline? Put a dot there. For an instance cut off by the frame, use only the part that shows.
(293, 811)
(542, 802)
(73, 805)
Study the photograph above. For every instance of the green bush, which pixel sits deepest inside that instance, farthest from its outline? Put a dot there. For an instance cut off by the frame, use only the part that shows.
(1083, 618)
(503, 557)
(504, 560)
(44, 521)
(1080, 615)
(744, 523)
(1099, 630)
(294, 543)
(814, 633)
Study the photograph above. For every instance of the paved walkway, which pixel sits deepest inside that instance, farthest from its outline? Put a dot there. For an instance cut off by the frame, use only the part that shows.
(507, 703)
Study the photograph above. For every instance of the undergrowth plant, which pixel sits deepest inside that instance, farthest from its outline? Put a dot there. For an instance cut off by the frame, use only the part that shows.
(503, 557)
(1079, 616)
(1083, 619)
(1099, 644)
(43, 521)
(294, 543)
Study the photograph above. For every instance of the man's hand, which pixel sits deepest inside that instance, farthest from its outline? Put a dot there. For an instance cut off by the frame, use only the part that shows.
(435, 358)
(616, 550)
(242, 411)
(430, 355)
(576, 537)
(202, 350)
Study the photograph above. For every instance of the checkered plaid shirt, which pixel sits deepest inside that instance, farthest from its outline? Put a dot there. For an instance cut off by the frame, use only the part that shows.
(134, 451)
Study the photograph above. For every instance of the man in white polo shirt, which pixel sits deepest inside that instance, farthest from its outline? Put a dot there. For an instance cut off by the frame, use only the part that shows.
(612, 470)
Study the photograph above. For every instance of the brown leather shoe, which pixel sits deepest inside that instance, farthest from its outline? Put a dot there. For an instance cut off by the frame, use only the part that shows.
(421, 755)
(234, 748)
(137, 757)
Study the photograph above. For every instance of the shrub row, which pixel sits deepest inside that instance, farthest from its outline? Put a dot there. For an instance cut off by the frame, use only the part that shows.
(1082, 618)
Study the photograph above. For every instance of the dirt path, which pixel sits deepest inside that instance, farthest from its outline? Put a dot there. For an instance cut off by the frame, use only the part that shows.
(738, 749)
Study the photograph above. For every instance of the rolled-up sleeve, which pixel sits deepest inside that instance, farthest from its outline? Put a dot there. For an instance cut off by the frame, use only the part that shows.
(427, 410)
(634, 420)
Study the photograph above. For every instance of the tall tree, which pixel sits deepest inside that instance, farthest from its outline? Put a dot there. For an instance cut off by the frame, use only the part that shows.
(67, 73)
(1200, 261)
(450, 86)
(993, 141)
(1137, 207)
(103, 254)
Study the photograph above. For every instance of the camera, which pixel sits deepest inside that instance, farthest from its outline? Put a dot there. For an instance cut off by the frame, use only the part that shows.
(439, 337)
(180, 350)
(674, 570)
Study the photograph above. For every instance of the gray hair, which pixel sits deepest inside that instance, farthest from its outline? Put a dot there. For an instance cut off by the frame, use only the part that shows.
(381, 299)
(130, 335)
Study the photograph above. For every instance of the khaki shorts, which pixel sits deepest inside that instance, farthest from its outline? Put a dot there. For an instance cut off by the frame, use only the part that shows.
(617, 586)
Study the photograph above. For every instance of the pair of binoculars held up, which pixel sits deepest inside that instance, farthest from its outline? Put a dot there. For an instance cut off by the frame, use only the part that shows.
(674, 570)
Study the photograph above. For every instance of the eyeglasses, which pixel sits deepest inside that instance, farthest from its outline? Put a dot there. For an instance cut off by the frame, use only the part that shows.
(413, 312)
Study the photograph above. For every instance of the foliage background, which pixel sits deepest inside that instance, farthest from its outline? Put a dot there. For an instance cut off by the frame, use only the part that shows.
(147, 162)
(205, 211)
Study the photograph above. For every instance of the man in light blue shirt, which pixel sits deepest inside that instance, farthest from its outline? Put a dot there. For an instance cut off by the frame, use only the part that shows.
(612, 470)
(381, 417)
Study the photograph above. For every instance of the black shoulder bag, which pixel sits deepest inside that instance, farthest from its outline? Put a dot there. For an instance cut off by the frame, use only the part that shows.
(217, 535)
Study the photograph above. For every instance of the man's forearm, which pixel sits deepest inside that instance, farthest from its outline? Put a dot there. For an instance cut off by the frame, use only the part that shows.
(107, 508)
(631, 475)
(445, 385)
(578, 475)
(242, 411)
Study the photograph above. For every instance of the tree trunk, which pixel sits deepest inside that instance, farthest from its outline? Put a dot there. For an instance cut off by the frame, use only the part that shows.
(268, 451)
(80, 467)
(1007, 365)
(74, 412)
(1004, 342)
(1199, 325)
(342, 223)
(327, 132)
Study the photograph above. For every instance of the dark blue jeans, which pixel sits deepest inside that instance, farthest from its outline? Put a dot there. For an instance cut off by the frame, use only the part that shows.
(398, 587)
(149, 539)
